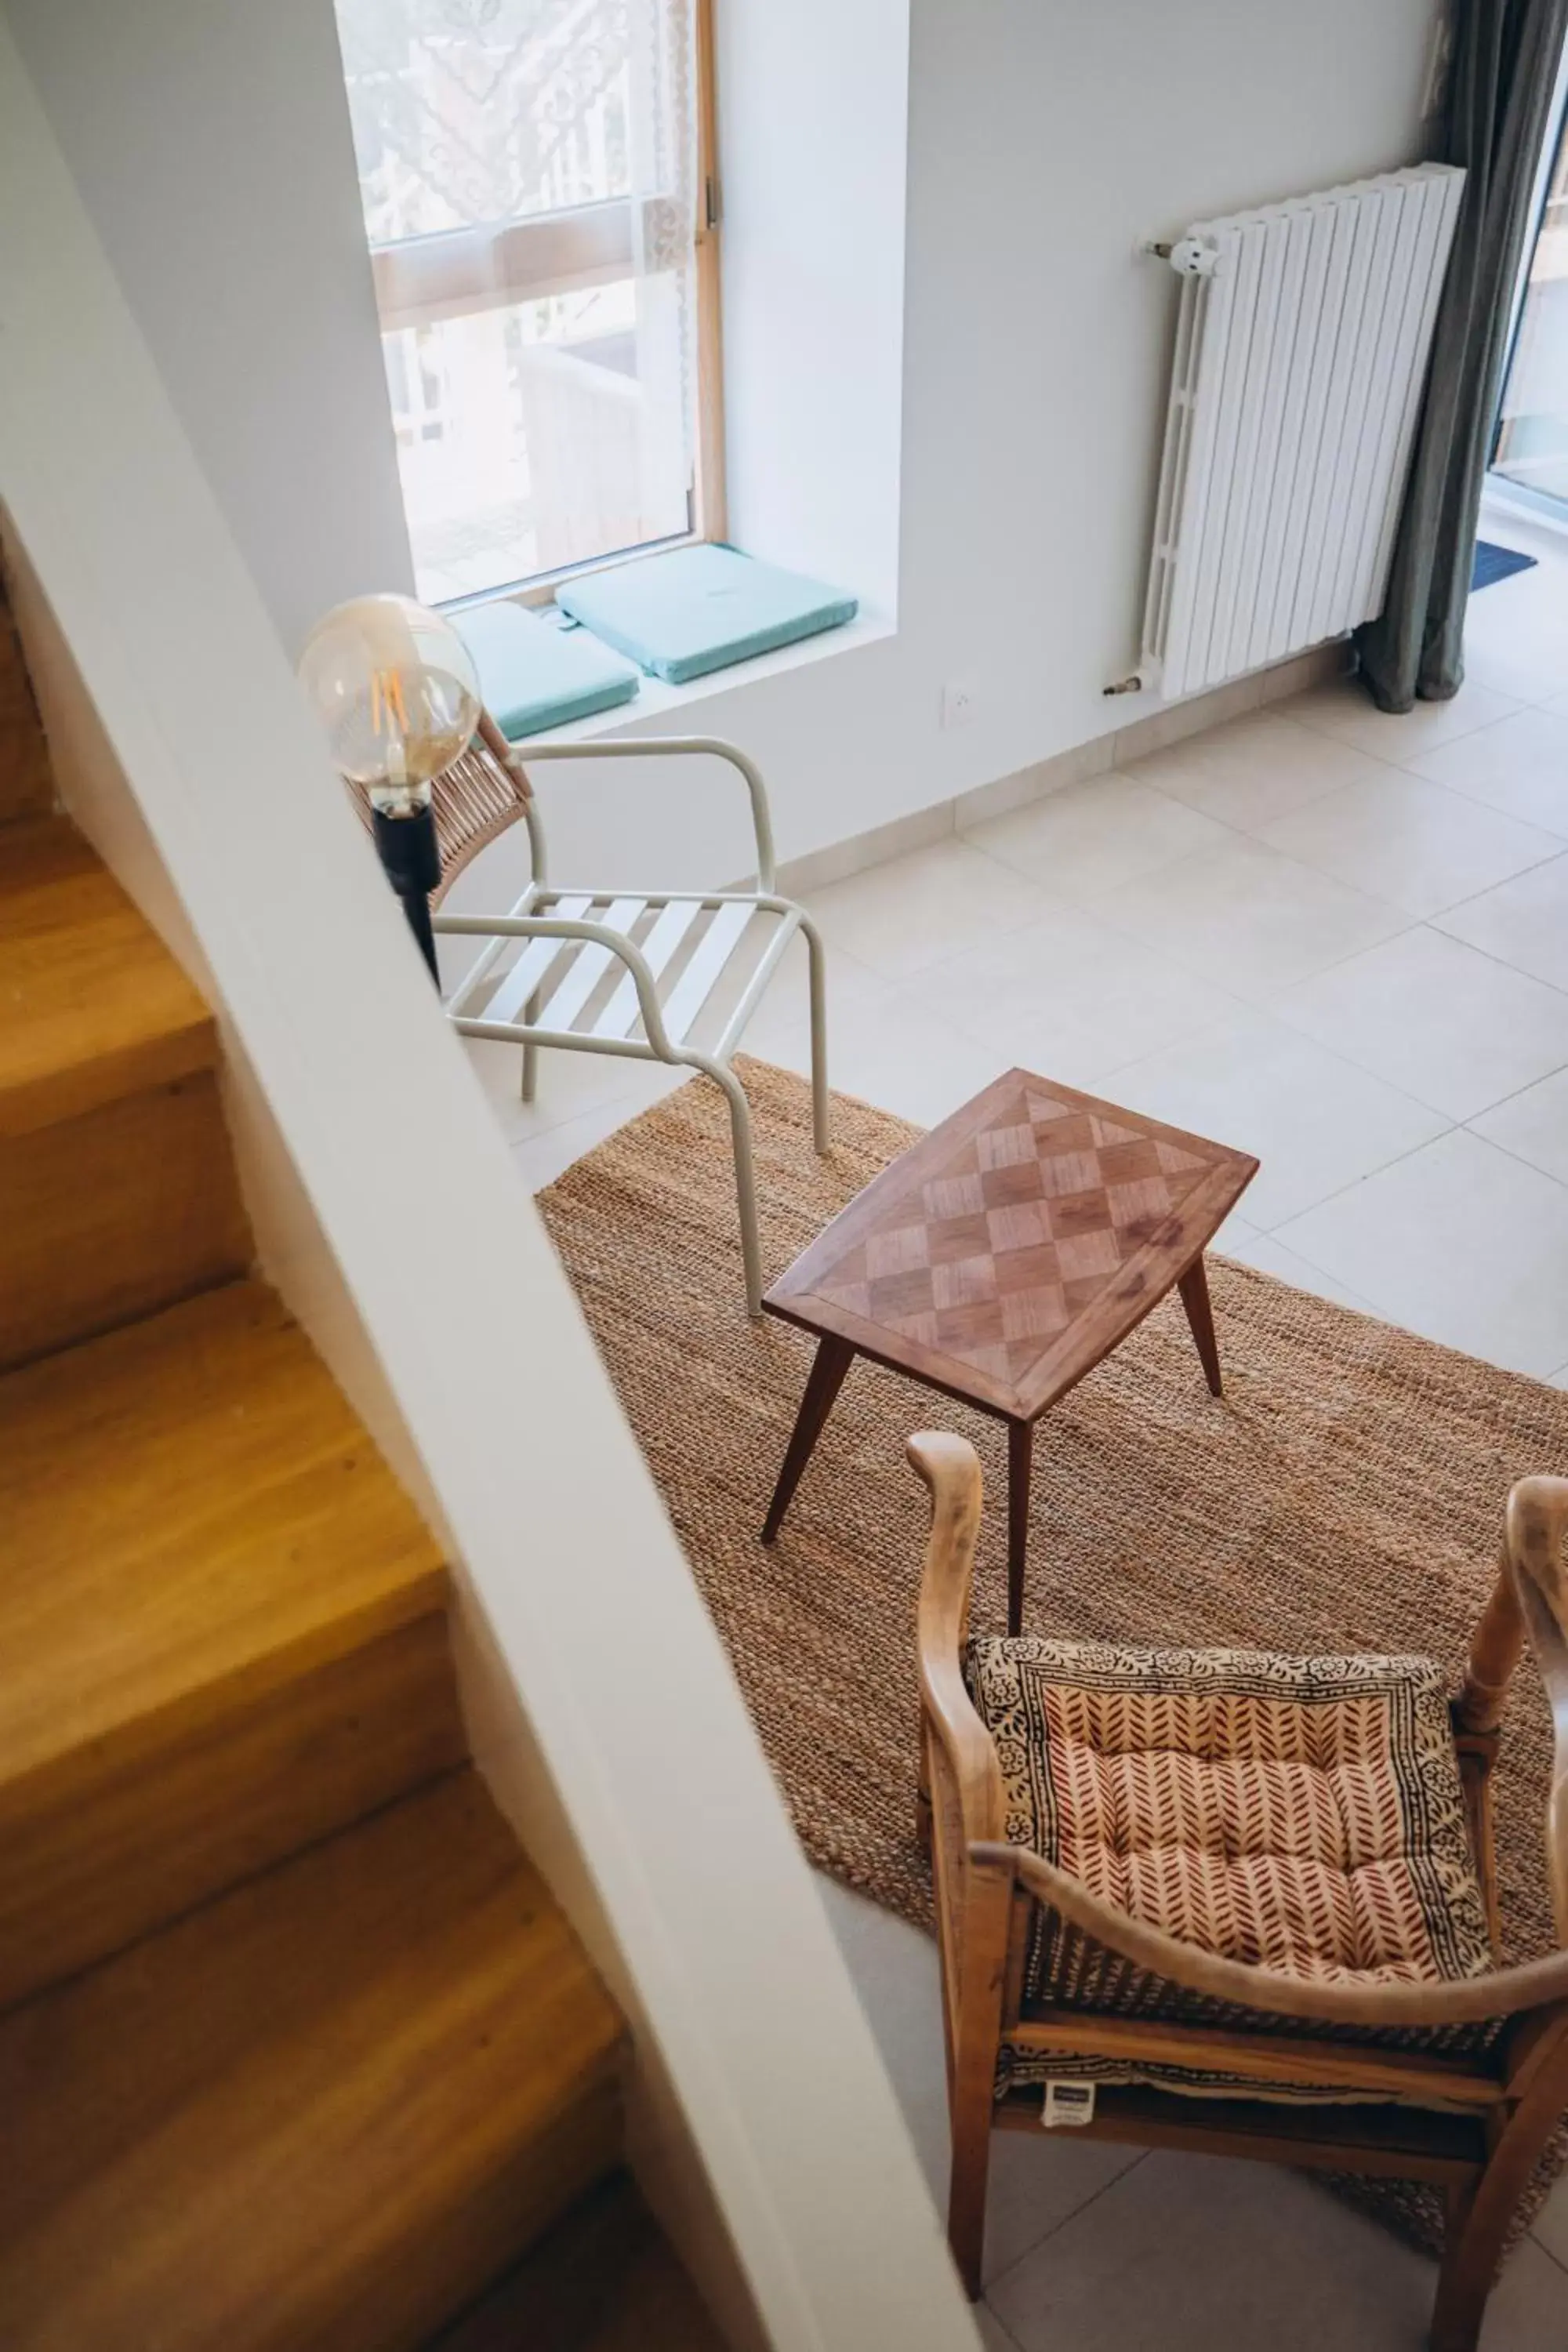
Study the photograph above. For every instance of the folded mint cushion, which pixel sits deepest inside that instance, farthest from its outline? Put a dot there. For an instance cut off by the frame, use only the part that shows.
(533, 676)
(700, 608)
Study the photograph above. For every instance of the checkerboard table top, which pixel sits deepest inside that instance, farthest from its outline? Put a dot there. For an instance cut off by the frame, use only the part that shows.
(1012, 1248)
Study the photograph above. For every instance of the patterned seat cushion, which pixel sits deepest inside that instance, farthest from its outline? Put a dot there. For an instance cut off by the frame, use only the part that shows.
(1299, 1814)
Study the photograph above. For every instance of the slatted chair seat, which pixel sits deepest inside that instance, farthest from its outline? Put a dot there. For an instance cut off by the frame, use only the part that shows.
(704, 955)
(1301, 1813)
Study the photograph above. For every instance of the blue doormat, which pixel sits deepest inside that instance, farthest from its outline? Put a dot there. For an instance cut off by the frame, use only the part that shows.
(1496, 563)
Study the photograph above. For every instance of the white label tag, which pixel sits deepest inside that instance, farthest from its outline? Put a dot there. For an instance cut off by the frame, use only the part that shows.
(1066, 2104)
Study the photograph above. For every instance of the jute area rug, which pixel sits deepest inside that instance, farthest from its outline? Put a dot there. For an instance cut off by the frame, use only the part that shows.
(1346, 1494)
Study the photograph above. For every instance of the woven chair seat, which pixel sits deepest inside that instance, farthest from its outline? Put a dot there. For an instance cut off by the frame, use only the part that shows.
(475, 802)
(1303, 1814)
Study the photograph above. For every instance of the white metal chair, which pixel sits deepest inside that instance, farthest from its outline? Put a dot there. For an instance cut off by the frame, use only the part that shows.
(611, 972)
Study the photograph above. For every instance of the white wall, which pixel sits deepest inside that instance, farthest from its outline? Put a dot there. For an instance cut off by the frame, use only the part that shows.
(814, 126)
(1046, 142)
(1045, 138)
(210, 140)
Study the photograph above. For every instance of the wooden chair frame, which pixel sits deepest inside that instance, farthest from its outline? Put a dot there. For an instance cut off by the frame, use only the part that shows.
(1492, 2115)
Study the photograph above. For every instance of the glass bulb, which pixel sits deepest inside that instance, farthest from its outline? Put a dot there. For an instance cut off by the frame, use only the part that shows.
(393, 685)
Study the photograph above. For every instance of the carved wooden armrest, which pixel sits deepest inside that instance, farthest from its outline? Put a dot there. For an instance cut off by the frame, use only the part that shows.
(951, 1469)
(1532, 1552)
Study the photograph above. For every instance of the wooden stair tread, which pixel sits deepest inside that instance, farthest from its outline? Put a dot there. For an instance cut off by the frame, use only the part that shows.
(306, 2113)
(190, 1507)
(604, 2279)
(93, 1005)
(25, 785)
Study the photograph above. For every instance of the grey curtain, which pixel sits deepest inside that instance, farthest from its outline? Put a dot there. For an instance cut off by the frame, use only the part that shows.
(1502, 70)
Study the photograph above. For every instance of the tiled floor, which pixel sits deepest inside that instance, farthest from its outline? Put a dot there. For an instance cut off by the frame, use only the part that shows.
(1340, 940)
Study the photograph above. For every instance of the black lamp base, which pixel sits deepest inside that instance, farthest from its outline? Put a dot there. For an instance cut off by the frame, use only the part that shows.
(411, 859)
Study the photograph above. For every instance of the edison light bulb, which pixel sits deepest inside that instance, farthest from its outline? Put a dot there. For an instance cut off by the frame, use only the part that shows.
(395, 691)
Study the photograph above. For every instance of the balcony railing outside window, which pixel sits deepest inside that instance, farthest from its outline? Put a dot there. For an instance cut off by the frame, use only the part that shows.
(529, 173)
(1532, 448)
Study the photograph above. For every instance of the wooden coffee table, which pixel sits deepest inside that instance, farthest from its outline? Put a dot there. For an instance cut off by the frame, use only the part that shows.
(1003, 1257)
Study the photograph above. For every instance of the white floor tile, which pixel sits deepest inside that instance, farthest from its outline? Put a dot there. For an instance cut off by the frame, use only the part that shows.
(542, 1156)
(1344, 709)
(1523, 922)
(1248, 918)
(1436, 1019)
(1315, 1121)
(1035, 2184)
(1413, 843)
(992, 2333)
(1516, 630)
(1529, 2307)
(1268, 1255)
(893, 1049)
(1531, 678)
(569, 1084)
(1256, 769)
(788, 989)
(1519, 765)
(1096, 835)
(1459, 1242)
(1185, 2254)
(899, 917)
(1551, 2225)
(894, 1969)
(1533, 1125)
(1073, 998)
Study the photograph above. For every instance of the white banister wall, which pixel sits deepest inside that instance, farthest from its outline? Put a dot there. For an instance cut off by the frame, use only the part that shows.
(392, 1216)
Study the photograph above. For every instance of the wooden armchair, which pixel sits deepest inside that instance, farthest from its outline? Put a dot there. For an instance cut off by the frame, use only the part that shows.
(1319, 1833)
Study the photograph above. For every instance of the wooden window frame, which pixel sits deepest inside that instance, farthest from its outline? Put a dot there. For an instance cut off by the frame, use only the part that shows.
(459, 271)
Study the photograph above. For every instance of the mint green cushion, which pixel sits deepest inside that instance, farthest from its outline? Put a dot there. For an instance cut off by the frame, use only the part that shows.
(533, 676)
(700, 608)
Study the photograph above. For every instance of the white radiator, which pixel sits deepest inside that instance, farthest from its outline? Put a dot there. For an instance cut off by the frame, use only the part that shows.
(1301, 350)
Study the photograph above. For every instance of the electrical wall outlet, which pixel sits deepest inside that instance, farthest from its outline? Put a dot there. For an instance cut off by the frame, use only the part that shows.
(960, 702)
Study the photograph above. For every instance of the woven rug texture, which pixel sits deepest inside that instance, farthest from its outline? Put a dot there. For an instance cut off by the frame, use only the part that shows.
(1345, 1494)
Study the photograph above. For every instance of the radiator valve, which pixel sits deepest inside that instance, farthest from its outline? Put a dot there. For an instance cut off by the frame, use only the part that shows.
(1193, 256)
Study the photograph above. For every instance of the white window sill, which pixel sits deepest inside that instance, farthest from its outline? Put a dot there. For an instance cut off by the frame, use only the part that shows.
(680, 706)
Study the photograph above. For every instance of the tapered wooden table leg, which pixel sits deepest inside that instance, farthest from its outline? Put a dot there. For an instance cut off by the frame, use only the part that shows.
(832, 1359)
(1020, 1462)
(1194, 1287)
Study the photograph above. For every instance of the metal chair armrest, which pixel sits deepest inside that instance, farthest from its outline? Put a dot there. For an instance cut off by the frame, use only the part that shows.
(678, 745)
(561, 927)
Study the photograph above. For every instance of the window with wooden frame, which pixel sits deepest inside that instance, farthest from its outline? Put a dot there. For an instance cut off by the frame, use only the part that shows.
(541, 199)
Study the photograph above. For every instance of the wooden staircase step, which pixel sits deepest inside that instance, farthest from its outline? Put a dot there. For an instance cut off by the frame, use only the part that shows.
(26, 786)
(604, 2279)
(115, 1215)
(222, 1623)
(93, 1005)
(323, 2111)
(118, 1191)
